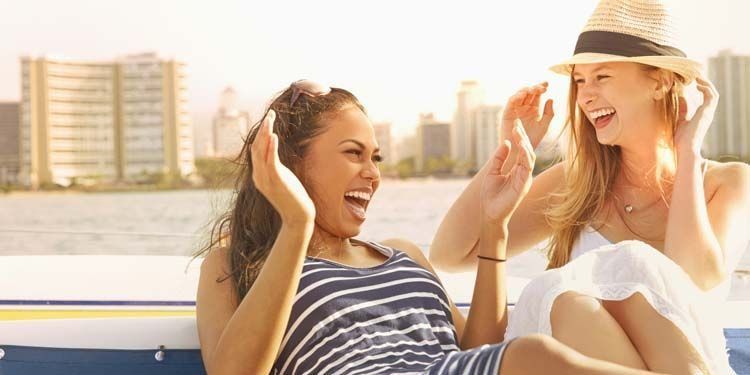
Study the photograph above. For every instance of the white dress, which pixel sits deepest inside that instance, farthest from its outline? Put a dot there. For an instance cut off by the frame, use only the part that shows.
(615, 272)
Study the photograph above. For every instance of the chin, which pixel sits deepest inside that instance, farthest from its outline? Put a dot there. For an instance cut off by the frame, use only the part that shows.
(345, 229)
(606, 142)
(350, 230)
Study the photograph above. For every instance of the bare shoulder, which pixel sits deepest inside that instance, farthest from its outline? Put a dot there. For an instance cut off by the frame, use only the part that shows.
(733, 177)
(410, 248)
(216, 261)
(548, 182)
(215, 273)
(555, 173)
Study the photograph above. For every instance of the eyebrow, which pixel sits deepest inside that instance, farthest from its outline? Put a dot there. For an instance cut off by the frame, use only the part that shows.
(360, 144)
(593, 71)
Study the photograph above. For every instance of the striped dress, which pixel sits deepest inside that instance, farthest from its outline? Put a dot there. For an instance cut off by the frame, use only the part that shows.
(393, 318)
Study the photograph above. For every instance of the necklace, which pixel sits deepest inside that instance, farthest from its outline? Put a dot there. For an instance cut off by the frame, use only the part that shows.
(629, 208)
(629, 219)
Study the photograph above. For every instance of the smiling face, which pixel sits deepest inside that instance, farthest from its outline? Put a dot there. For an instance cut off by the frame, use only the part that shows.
(621, 100)
(341, 171)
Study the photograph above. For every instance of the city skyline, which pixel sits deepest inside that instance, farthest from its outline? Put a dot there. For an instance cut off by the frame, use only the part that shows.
(400, 61)
(109, 120)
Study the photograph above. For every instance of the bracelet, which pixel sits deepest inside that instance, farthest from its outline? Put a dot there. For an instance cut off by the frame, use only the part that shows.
(489, 258)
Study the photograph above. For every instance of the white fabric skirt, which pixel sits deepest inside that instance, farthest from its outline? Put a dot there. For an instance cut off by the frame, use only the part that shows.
(614, 273)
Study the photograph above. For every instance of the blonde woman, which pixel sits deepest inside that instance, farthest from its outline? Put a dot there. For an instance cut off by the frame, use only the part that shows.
(643, 231)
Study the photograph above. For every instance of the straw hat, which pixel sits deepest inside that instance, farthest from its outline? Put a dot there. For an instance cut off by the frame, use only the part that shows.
(639, 31)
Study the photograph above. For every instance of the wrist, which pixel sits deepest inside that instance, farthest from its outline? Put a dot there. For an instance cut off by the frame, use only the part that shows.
(494, 229)
(688, 153)
(688, 157)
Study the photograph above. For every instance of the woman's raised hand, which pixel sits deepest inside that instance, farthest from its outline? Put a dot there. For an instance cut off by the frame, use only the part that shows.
(275, 181)
(501, 193)
(689, 134)
(524, 106)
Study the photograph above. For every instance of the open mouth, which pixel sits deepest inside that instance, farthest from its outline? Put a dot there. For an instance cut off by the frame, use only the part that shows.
(602, 117)
(356, 202)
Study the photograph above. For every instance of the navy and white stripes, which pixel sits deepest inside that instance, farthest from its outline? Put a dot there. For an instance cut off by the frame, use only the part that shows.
(391, 318)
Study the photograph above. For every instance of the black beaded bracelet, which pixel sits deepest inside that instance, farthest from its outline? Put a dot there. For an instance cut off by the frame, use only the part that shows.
(489, 258)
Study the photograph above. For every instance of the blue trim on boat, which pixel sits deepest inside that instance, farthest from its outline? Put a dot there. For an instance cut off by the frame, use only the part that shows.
(26, 302)
(26, 360)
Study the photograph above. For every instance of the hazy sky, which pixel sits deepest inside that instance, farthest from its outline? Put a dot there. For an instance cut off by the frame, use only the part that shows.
(399, 57)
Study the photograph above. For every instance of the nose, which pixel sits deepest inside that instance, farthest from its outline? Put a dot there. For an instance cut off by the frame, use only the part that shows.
(586, 95)
(370, 170)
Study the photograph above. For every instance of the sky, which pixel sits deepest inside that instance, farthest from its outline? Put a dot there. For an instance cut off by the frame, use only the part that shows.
(400, 58)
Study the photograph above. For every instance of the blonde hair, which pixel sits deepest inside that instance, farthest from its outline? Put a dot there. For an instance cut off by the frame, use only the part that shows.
(591, 168)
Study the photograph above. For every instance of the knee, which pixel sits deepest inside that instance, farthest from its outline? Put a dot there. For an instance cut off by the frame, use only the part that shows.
(571, 305)
(576, 301)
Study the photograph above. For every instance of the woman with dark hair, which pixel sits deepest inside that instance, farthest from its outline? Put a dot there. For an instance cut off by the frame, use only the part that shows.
(285, 288)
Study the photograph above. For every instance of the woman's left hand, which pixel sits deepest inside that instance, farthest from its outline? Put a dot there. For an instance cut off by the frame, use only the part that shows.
(501, 193)
(689, 134)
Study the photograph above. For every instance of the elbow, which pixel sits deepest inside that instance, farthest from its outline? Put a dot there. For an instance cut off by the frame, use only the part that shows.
(712, 278)
(444, 262)
(214, 364)
(211, 366)
(436, 258)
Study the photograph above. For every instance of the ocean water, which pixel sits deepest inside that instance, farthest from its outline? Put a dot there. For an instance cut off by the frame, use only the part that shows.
(177, 222)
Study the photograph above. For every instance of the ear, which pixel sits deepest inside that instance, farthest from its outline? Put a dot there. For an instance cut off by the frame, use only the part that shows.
(664, 81)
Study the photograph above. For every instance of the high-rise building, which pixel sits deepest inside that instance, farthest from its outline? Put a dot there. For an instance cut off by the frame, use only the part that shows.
(729, 134)
(155, 129)
(9, 143)
(487, 121)
(406, 147)
(385, 141)
(463, 131)
(230, 126)
(103, 120)
(433, 145)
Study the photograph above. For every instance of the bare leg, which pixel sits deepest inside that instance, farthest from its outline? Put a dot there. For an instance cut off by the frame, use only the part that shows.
(543, 355)
(651, 333)
(582, 323)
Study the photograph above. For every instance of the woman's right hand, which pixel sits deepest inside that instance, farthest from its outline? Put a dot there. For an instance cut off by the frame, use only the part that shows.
(275, 181)
(524, 106)
(501, 193)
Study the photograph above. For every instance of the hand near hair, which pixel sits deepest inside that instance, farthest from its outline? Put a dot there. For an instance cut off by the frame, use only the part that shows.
(501, 193)
(275, 181)
(689, 134)
(524, 106)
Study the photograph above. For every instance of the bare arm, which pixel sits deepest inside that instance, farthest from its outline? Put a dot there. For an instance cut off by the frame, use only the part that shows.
(500, 195)
(245, 339)
(489, 296)
(700, 235)
(455, 245)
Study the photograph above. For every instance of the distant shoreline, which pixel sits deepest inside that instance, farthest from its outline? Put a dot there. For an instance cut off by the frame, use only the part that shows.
(151, 188)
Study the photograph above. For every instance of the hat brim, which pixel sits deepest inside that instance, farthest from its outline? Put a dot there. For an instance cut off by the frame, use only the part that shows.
(687, 68)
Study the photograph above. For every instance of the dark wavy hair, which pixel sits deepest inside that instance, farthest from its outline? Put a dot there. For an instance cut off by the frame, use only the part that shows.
(249, 228)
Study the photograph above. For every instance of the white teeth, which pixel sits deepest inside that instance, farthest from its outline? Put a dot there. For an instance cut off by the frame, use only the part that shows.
(601, 112)
(358, 195)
